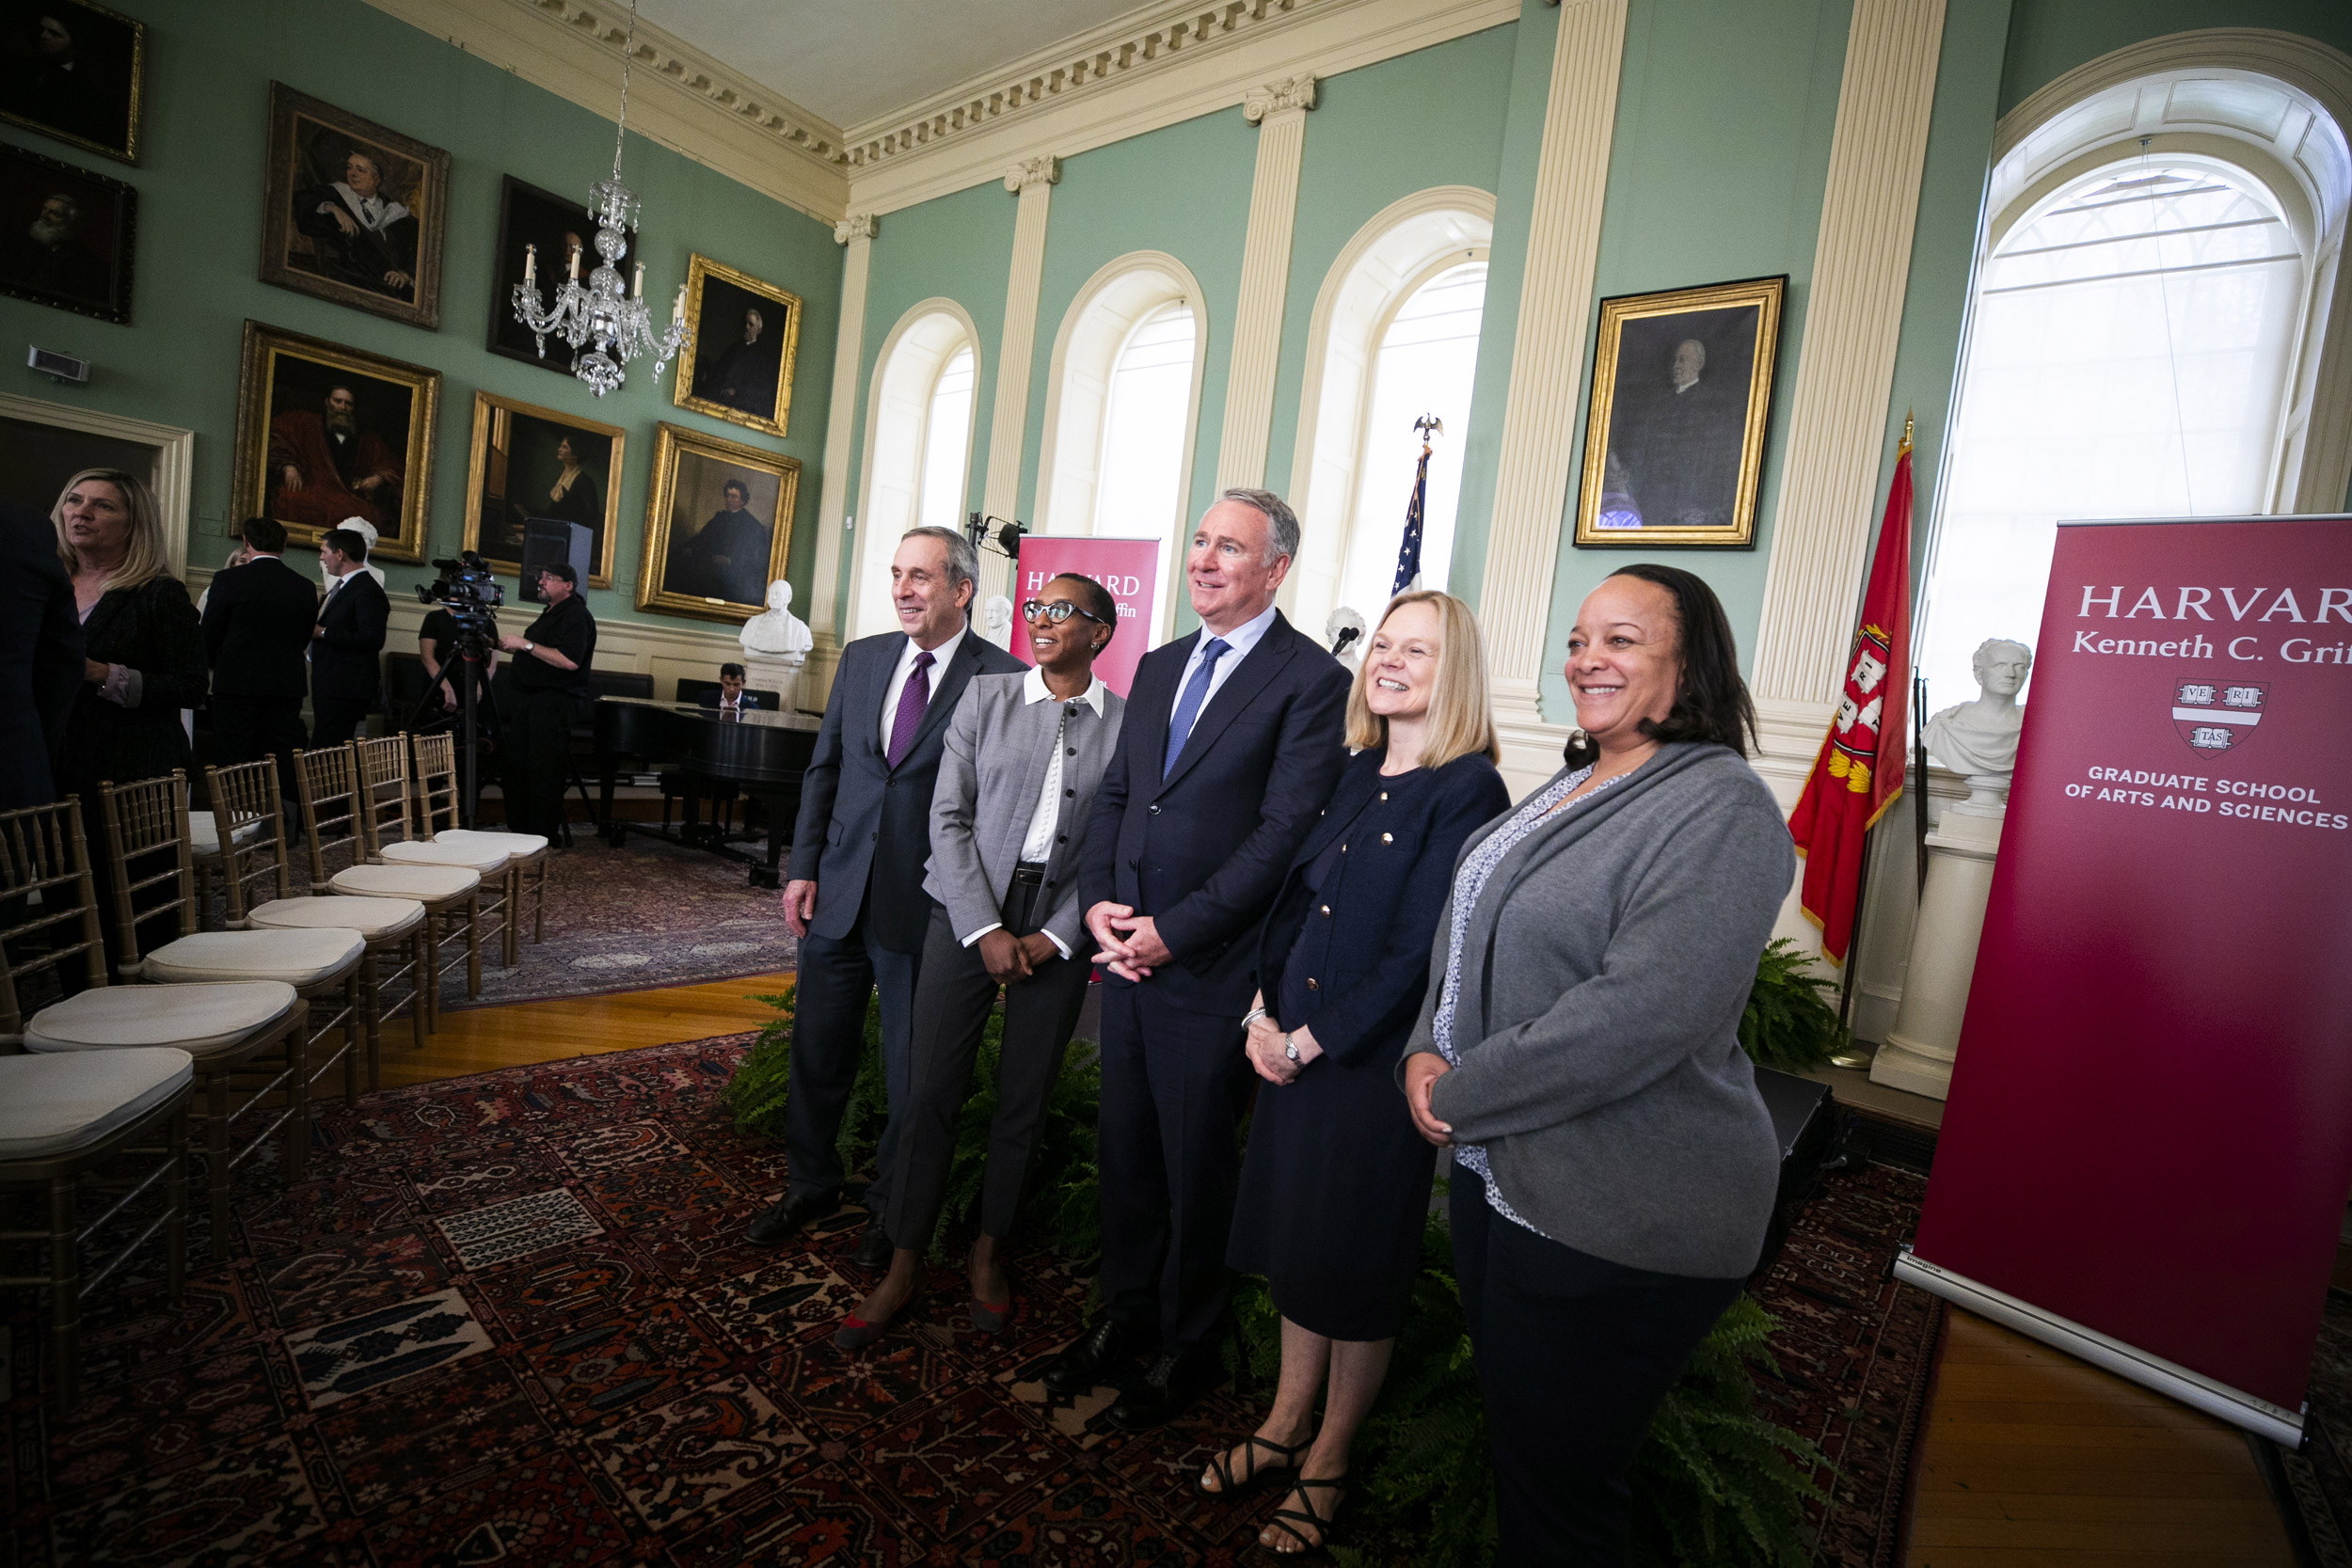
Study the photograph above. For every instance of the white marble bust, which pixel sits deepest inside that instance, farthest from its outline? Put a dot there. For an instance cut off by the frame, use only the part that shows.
(1340, 620)
(777, 634)
(996, 619)
(1980, 737)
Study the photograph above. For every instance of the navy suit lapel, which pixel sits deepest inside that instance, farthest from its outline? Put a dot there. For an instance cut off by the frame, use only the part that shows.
(1241, 687)
(1148, 714)
(873, 691)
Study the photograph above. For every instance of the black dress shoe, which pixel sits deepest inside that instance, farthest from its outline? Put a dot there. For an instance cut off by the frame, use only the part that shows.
(1100, 1355)
(873, 1248)
(777, 1222)
(1173, 1381)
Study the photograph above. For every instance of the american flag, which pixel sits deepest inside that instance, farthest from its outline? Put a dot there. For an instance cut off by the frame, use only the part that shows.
(1408, 550)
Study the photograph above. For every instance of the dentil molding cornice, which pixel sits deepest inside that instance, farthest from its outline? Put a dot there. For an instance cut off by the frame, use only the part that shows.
(1296, 92)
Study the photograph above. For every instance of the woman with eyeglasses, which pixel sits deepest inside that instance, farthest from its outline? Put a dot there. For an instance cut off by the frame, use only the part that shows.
(1023, 756)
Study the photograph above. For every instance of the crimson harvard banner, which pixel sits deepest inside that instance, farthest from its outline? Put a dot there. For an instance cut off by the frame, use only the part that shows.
(2149, 1139)
(1130, 568)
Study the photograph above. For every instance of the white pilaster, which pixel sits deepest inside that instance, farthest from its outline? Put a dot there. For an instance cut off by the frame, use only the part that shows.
(1548, 354)
(1279, 113)
(1032, 180)
(856, 233)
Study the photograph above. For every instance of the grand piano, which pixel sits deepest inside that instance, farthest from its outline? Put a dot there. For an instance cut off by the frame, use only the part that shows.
(762, 754)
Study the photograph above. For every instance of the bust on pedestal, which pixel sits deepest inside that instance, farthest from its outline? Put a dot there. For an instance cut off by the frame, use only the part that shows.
(996, 620)
(776, 644)
(1351, 652)
(1977, 739)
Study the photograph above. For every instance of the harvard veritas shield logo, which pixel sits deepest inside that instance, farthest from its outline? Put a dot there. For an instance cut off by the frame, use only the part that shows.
(2214, 717)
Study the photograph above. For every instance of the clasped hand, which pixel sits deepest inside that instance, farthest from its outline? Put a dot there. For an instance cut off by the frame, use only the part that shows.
(1131, 943)
(1009, 958)
(1267, 1054)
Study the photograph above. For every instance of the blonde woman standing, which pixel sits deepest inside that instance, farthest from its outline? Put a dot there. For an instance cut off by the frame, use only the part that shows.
(1335, 1187)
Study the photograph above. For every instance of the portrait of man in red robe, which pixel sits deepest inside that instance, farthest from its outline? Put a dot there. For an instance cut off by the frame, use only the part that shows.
(326, 465)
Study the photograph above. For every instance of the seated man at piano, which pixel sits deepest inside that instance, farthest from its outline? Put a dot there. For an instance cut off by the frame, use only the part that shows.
(731, 699)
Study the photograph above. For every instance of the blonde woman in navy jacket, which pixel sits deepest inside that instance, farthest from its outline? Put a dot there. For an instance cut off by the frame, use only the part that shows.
(1335, 1189)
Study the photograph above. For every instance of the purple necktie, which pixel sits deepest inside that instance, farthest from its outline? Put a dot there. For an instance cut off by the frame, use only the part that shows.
(913, 698)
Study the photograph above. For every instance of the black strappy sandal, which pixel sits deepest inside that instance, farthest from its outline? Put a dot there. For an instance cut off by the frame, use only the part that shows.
(1282, 1516)
(1229, 1484)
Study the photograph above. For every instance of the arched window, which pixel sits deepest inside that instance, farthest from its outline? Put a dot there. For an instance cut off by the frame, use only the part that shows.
(918, 447)
(2148, 337)
(1394, 336)
(1423, 365)
(1122, 407)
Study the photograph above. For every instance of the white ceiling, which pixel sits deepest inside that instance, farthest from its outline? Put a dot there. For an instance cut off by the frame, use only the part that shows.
(851, 61)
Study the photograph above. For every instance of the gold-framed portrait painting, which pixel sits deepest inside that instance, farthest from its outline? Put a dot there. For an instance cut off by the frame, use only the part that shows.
(327, 432)
(718, 524)
(527, 463)
(352, 211)
(75, 70)
(1673, 437)
(739, 366)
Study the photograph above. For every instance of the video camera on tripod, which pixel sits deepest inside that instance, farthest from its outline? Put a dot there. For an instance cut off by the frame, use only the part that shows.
(470, 596)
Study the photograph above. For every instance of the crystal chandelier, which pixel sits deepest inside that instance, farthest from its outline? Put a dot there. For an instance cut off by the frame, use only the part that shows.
(601, 313)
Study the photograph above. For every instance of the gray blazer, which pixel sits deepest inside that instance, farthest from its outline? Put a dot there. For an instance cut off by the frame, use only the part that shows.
(998, 747)
(1603, 974)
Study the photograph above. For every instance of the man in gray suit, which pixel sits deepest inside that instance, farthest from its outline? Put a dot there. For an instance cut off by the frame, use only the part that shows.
(1009, 819)
(853, 893)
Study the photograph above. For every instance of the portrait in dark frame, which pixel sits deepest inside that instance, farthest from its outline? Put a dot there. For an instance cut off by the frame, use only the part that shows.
(739, 365)
(74, 71)
(530, 217)
(1682, 386)
(353, 211)
(528, 462)
(66, 235)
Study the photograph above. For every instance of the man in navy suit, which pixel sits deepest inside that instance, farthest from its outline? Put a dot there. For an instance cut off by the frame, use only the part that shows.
(347, 641)
(259, 617)
(853, 890)
(1231, 746)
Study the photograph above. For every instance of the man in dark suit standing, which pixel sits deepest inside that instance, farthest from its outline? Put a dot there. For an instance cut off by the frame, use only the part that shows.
(853, 893)
(258, 620)
(1231, 748)
(347, 641)
(40, 657)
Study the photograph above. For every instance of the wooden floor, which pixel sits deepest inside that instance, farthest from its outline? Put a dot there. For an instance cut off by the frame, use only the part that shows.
(482, 1038)
(2030, 1457)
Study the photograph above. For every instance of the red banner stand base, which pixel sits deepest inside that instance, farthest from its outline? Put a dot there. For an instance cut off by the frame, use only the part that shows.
(2257, 1416)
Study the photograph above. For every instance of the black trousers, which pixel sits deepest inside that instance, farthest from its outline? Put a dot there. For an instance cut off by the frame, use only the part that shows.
(536, 740)
(1575, 1354)
(246, 729)
(837, 974)
(1174, 1085)
(951, 1007)
(336, 719)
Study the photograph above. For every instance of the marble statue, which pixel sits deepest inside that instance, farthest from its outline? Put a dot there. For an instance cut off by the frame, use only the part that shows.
(1980, 737)
(1345, 620)
(996, 618)
(778, 635)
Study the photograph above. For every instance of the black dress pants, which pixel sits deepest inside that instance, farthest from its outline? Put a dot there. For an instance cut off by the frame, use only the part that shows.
(1575, 1355)
(1174, 1084)
(537, 737)
(836, 977)
(951, 1007)
(336, 719)
(246, 729)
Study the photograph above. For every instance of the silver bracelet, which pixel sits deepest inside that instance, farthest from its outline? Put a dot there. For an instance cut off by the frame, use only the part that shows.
(1252, 1016)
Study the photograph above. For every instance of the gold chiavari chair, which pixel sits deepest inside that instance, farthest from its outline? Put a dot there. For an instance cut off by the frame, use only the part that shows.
(527, 853)
(244, 1038)
(387, 829)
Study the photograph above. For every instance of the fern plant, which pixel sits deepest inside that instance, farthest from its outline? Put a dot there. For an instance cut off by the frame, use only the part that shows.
(1790, 1022)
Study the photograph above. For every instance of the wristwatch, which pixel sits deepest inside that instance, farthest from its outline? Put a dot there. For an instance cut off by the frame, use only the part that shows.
(1290, 1046)
(529, 649)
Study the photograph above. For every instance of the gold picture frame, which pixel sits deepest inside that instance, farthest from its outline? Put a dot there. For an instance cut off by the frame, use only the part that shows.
(722, 371)
(1674, 434)
(514, 470)
(718, 568)
(316, 212)
(286, 387)
(81, 76)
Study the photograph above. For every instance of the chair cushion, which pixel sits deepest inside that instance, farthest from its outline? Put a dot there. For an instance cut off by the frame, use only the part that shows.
(204, 834)
(202, 1020)
(55, 1104)
(299, 957)
(431, 883)
(482, 859)
(521, 846)
(373, 918)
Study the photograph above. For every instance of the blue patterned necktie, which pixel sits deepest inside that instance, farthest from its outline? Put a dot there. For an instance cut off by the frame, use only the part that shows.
(1189, 704)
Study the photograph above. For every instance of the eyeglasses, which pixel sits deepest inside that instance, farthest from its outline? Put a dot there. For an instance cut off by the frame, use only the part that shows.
(1055, 611)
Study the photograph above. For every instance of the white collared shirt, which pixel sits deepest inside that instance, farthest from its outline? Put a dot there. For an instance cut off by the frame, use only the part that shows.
(1038, 848)
(940, 656)
(1240, 641)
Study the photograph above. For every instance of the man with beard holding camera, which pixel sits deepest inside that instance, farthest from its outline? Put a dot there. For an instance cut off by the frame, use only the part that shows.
(550, 676)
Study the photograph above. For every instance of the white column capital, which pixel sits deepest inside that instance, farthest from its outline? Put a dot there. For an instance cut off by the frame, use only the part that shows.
(857, 226)
(1043, 169)
(1295, 93)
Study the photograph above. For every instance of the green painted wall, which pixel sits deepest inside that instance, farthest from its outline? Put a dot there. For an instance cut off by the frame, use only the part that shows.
(199, 184)
(1716, 172)
(2050, 38)
(957, 248)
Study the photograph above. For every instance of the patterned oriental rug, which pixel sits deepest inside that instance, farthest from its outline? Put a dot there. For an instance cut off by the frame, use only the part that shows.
(512, 1318)
(646, 914)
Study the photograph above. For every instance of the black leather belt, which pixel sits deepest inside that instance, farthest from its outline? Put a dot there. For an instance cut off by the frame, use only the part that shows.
(1031, 872)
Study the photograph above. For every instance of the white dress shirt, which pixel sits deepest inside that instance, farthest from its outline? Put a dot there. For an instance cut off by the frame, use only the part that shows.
(1038, 848)
(1239, 640)
(891, 693)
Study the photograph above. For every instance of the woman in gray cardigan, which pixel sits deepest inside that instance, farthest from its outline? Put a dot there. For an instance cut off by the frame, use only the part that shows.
(1577, 1048)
